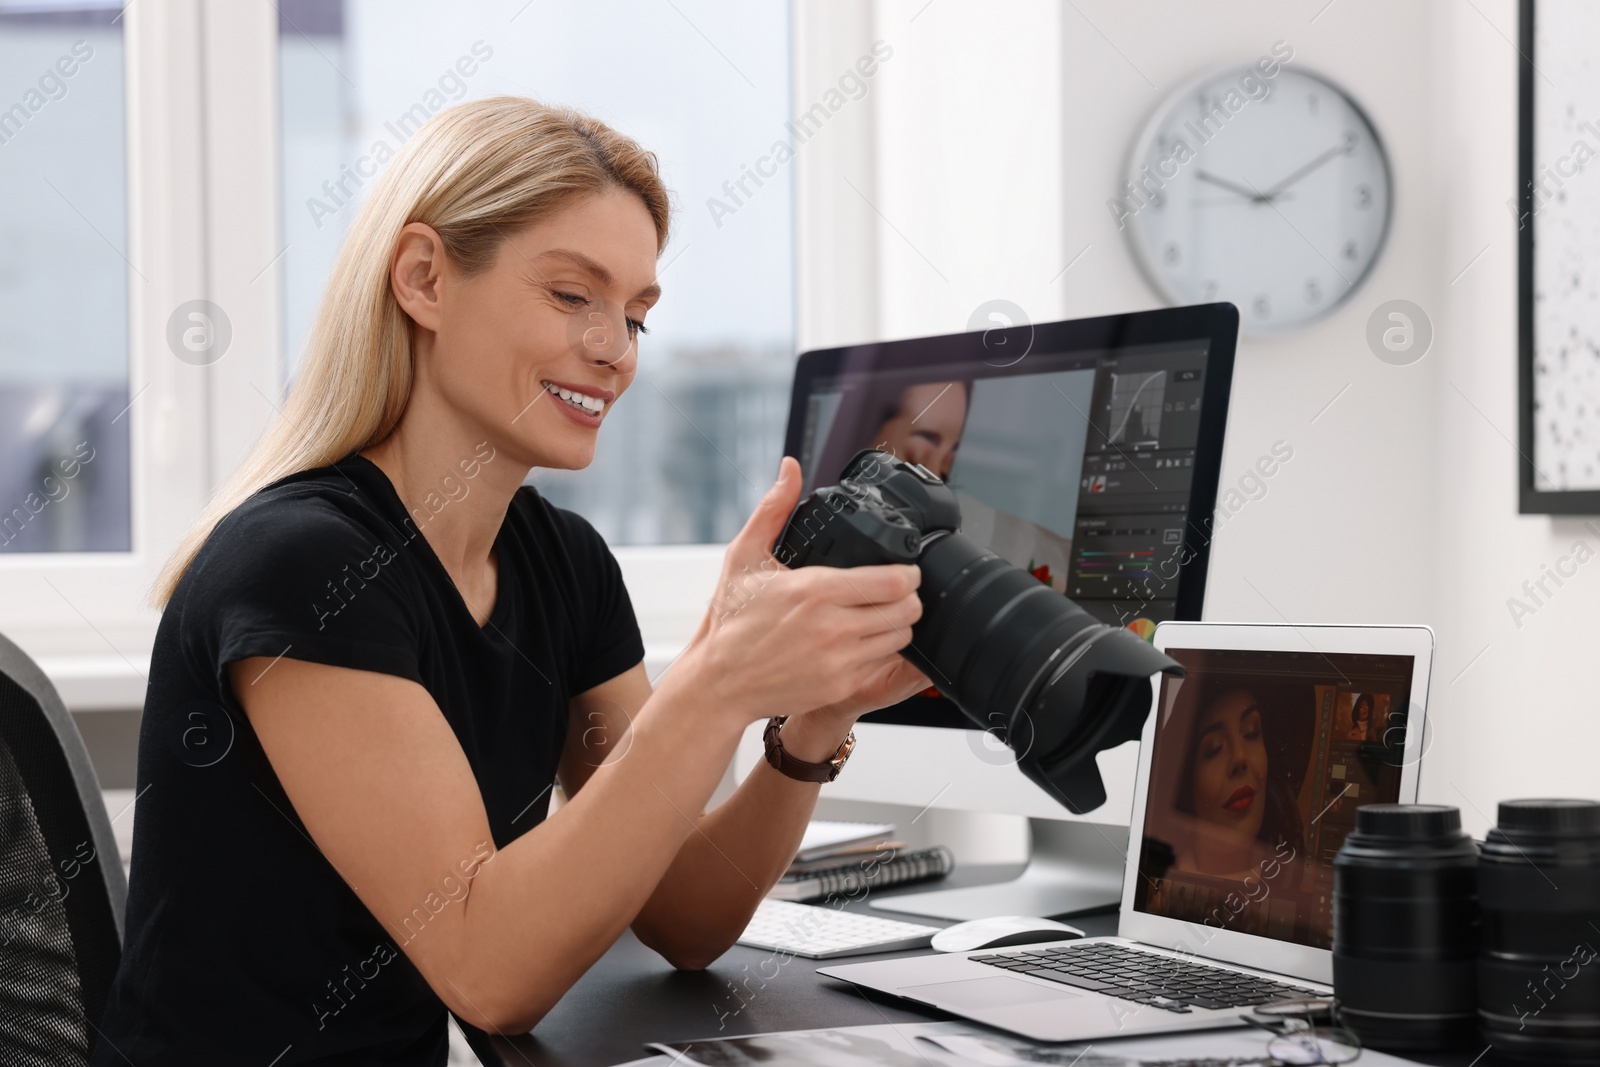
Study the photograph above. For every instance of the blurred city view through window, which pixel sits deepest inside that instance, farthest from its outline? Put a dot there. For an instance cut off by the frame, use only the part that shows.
(695, 441)
(64, 278)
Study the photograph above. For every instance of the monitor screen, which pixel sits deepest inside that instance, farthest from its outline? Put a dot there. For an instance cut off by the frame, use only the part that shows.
(1259, 762)
(1087, 451)
(1076, 466)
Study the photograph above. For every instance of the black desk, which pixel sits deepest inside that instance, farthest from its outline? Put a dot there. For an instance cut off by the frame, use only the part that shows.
(632, 996)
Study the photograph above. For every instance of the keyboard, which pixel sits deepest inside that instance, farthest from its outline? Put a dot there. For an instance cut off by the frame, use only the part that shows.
(1144, 977)
(821, 933)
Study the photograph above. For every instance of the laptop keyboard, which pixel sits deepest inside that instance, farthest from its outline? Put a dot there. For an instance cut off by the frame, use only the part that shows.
(1143, 977)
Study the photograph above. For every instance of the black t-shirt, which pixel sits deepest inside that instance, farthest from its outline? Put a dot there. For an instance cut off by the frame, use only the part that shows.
(244, 944)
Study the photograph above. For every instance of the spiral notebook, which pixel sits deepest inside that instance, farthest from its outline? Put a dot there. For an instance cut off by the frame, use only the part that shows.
(873, 871)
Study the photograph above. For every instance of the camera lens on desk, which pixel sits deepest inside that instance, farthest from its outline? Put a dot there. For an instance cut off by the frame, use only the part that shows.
(1405, 927)
(1538, 978)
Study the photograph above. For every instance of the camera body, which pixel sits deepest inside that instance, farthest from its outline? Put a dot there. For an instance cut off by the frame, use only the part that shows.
(884, 510)
(1018, 658)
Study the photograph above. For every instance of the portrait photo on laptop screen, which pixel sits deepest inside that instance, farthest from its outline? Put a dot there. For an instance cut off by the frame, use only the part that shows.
(1259, 762)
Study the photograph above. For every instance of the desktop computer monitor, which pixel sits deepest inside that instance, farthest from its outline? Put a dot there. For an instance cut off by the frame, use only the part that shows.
(1087, 452)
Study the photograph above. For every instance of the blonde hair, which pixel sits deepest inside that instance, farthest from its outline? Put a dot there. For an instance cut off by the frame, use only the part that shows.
(475, 173)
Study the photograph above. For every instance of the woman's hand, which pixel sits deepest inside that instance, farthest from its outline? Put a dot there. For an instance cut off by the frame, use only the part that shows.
(787, 642)
(893, 681)
(815, 735)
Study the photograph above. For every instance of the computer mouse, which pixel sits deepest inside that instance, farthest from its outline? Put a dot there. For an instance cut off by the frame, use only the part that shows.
(1002, 931)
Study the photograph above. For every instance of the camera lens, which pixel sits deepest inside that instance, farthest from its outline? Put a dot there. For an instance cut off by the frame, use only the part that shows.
(1405, 927)
(1538, 978)
(1025, 662)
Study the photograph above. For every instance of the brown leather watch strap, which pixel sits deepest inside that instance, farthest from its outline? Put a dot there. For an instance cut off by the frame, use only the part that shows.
(801, 770)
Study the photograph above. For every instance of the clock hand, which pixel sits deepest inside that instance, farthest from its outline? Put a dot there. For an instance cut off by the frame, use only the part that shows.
(1280, 198)
(1303, 171)
(1248, 194)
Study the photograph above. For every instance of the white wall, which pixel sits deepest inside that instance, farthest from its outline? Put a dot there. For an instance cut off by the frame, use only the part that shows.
(1521, 721)
(987, 149)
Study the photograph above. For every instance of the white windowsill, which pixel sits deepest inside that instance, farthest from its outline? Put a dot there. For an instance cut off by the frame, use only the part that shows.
(98, 682)
(111, 683)
(670, 586)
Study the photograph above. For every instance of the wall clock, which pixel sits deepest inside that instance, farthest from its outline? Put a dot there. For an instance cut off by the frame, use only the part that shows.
(1272, 192)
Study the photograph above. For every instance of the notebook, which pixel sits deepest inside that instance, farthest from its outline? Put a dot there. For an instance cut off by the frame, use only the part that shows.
(870, 871)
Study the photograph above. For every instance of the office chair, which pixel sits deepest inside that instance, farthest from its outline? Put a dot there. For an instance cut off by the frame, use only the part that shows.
(62, 890)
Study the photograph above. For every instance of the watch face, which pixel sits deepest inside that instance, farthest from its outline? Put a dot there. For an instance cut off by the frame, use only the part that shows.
(1271, 193)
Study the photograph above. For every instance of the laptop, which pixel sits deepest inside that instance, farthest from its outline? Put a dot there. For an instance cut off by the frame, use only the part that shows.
(1251, 768)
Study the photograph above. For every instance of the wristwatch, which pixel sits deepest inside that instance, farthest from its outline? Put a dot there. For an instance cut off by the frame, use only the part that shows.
(799, 769)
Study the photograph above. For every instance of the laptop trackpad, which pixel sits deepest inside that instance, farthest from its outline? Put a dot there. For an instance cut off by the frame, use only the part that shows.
(976, 994)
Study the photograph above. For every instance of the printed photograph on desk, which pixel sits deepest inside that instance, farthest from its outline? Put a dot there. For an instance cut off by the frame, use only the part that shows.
(907, 1045)
(959, 1044)
(803, 1048)
(1259, 763)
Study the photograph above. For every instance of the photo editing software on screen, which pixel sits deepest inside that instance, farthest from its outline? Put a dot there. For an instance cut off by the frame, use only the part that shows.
(1075, 466)
(1259, 763)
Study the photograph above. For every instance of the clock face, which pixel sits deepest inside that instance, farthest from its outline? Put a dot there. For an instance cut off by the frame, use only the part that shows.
(1277, 203)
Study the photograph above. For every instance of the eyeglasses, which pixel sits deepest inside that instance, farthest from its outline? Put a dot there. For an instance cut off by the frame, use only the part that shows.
(1306, 1032)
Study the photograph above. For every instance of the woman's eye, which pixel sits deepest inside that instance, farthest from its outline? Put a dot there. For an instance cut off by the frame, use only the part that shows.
(635, 327)
(570, 299)
(1210, 751)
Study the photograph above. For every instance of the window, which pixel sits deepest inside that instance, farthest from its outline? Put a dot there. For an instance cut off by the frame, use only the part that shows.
(64, 397)
(106, 411)
(696, 440)
(188, 157)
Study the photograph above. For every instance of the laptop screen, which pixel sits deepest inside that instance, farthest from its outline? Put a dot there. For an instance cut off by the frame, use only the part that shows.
(1259, 762)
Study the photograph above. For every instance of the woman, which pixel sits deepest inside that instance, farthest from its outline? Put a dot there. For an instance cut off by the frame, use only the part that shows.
(380, 650)
(920, 423)
(924, 423)
(1242, 812)
(1360, 719)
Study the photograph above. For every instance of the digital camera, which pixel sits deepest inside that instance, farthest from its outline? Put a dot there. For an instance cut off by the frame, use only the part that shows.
(1018, 658)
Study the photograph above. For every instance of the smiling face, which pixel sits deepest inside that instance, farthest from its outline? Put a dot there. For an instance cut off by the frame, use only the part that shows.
(1230, 765)
(927, 428)
(535, 350)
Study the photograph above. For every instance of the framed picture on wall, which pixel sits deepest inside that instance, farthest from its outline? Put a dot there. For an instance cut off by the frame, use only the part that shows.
(1558, 285)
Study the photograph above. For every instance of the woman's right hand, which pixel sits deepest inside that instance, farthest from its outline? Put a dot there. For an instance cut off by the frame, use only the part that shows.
(777, 641)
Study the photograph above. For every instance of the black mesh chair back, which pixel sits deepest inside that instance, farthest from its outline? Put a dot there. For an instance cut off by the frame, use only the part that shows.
(62, 890)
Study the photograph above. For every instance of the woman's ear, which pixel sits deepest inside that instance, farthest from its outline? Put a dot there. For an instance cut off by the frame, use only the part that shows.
(416, 273)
